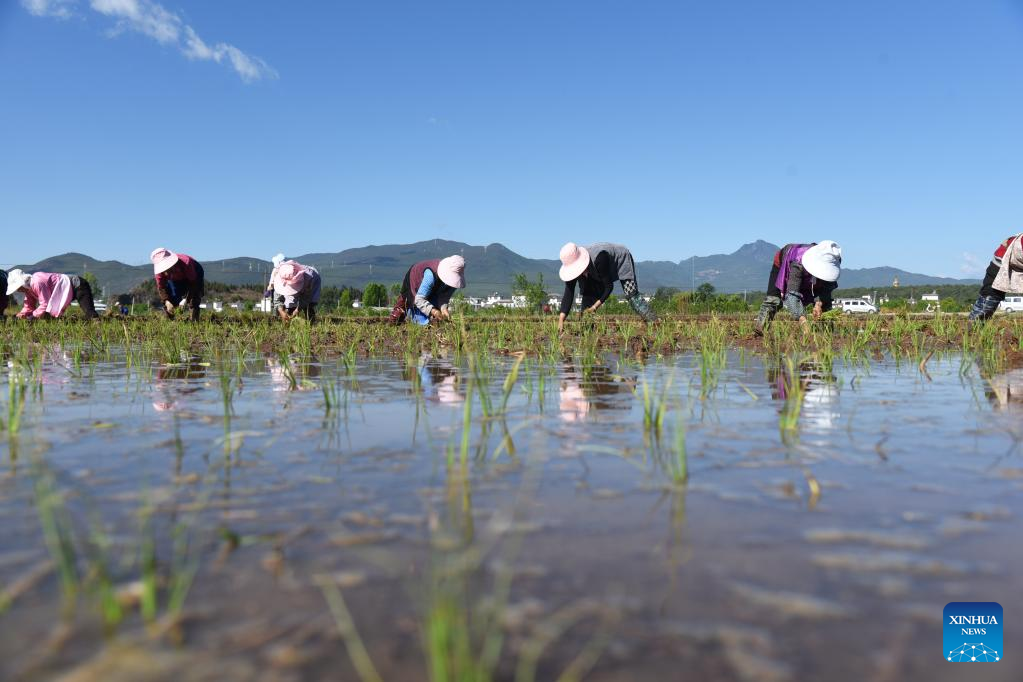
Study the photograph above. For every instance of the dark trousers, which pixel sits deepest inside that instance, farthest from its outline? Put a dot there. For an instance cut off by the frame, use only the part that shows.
(772, 284)
(83, 294)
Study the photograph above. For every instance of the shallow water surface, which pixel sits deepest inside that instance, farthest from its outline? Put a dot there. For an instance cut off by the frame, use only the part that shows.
(784, 521)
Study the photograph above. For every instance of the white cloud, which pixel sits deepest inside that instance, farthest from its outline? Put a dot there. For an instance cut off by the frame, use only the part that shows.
(147, 18)
(250, 68)
(972, 264)
(61, 9)
(153, 20)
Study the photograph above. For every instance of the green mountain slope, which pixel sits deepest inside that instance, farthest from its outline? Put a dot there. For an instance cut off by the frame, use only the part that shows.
(490, 268)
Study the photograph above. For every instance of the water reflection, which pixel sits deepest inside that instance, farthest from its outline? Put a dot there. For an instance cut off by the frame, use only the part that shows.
(287, 374)
(173, 383)
(1005, 390)
(813, 385)
(595, 387)
(438, 379)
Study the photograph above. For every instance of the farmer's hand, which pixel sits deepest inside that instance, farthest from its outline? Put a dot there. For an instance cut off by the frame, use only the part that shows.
(561, 323)
(818, 310)
(445, 313)
(802, 322)
(169, 307)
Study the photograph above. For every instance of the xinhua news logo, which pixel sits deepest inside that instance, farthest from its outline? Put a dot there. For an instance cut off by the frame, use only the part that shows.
(973, 632)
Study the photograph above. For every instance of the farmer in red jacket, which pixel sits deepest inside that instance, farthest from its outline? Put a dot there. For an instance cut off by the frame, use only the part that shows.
(178, 278)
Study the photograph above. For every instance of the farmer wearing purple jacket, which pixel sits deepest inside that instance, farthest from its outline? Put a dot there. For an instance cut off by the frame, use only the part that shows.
(802, 274)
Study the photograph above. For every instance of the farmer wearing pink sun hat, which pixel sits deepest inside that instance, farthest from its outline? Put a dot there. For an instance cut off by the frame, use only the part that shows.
(178, 278)
(427, 289)
(595, 269)
(296, 289)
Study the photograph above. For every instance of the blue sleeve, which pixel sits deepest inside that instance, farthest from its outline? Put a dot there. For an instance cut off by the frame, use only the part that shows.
(422, 301)
(427, 286)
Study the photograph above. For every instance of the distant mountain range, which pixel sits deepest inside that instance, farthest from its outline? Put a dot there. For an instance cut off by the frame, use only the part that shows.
(489, 269)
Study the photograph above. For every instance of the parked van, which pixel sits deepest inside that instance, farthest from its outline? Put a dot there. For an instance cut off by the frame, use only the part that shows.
(1011, 304)
(855, 305)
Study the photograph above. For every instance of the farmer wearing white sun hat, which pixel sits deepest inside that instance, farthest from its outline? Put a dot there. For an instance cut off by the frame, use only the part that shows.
(49, 294)
(595, 269)
(178, 278)
(426, 290)
(802, 274)
(296, 290)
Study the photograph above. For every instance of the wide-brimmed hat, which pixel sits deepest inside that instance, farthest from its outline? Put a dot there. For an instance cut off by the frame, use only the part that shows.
(451, 271)
(163, 260)
(291, 277)
(278, 259)
(824, 261)
(17, 279)
(574, 261)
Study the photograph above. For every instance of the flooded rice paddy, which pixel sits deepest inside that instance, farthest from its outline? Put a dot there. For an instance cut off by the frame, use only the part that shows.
(500, 517)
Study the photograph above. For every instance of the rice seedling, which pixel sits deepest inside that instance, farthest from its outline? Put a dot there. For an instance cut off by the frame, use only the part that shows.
(795, 390)
(678, 462)
(655, 403)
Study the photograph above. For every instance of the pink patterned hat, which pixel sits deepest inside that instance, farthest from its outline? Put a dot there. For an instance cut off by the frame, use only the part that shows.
(291, 277)
(574, 261)
(163, 260)
(451, 271)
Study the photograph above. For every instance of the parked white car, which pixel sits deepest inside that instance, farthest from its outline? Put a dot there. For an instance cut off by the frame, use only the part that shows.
(1011, 304)
(855, 305)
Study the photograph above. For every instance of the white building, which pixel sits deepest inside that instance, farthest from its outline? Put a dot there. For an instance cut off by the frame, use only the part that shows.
(931, 297)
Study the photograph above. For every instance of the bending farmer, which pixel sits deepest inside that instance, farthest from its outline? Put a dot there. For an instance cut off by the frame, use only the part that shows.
(595, 269)
(48, 294)
(802, 274)
(427, 289)
(6, 297)
(1004, 275)
(296, 290)
(178, 278)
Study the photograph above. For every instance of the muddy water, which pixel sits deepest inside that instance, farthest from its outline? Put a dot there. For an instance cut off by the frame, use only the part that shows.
(824, 551)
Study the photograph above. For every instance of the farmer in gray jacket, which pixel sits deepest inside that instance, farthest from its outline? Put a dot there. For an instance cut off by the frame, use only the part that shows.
(596, 268)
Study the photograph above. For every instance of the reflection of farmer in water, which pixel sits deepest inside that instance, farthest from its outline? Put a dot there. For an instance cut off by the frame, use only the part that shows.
(596, 389)
(819, 391)
(294, 374)
(174, 382)
(1005, 390)
(438, 379)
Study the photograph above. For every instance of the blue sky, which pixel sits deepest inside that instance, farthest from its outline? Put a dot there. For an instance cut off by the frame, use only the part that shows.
(245, 127)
